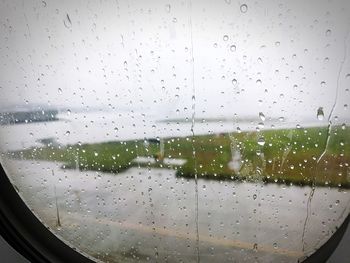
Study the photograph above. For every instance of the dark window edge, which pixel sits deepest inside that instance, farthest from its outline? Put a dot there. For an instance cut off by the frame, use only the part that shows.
(25, 233)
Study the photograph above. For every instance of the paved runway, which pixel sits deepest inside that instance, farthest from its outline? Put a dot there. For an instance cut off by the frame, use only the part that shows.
(149, 215)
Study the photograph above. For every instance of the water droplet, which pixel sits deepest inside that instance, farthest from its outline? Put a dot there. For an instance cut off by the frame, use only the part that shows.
(67, 22)
(225, 37)
(254, 196)
(244, 8)
(262, 116)
(67, 133)
(234, 82)
(320, 114)
(323, 84)
(258, 81)
(168, 8)
(96, 153)
(233, 48)
(59, 90)
(261, 141)
(328, 32)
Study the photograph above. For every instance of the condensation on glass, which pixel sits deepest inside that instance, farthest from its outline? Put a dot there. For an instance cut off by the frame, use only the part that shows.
(179, 131)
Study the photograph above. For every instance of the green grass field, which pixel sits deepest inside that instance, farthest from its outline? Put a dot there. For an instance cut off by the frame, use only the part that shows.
(280, 156)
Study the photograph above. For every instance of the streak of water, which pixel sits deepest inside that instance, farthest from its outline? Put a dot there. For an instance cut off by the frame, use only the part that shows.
(329, 129)
(58, 223)
(308, 212)
(192, 131)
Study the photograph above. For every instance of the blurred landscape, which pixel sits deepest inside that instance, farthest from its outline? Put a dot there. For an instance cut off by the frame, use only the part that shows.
(290, 156)
(130, 175)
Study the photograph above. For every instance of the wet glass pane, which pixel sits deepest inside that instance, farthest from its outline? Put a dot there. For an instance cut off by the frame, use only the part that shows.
(179, 131)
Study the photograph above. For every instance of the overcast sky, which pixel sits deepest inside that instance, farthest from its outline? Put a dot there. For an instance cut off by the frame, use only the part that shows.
(281, 58)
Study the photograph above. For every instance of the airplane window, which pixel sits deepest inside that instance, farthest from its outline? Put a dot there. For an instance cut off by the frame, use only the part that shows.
(179, 131)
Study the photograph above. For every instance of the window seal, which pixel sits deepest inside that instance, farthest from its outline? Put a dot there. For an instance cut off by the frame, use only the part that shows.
(25, 233)
(323, 253)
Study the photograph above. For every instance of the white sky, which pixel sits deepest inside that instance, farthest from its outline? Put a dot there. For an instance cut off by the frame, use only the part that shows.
(121, 53)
